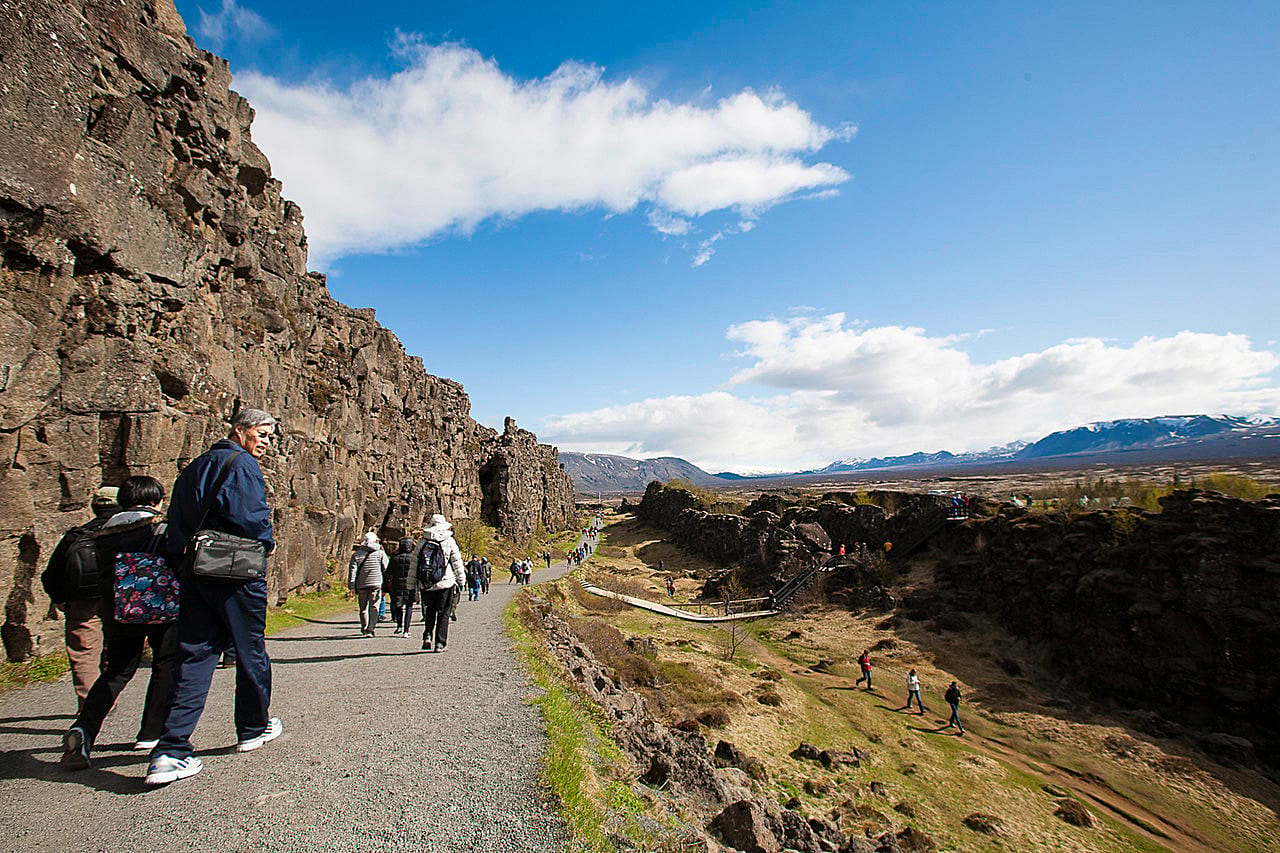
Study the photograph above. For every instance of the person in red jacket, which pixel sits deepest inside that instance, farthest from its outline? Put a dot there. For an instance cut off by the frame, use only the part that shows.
(864, 663)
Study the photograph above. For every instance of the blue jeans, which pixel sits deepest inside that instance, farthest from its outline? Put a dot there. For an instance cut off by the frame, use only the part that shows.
(212, 615)
(955, 716)
(915, 694)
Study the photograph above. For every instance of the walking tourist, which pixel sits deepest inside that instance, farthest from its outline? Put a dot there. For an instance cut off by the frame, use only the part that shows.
(135, 531)
(364, 575)
(73, 585)
(439, 558)
(221, 490)
(864, 664)
(953, 699)
(913, 691)
(402, 579)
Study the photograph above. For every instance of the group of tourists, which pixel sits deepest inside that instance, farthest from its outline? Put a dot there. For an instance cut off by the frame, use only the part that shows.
(521, 571)
(190, 583)
(427, 571)
(587, 543)
(952, 695)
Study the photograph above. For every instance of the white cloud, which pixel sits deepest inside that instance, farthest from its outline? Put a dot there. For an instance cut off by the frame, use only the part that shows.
(451, 140)
(835, 390)
(232, 21)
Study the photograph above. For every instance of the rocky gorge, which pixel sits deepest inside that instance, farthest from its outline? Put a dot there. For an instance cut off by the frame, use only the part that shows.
(153, 280)
(1173, 613)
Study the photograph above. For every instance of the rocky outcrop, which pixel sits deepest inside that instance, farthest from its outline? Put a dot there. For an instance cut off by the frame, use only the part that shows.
(153, 279)
(776, 537)
(1176, 612)
(734, 811)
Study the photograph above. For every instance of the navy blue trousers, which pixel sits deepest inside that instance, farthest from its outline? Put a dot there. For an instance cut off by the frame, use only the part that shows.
(211, 616)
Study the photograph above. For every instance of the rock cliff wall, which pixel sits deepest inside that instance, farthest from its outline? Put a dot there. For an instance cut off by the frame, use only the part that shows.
(1177, 612)
(153, 279)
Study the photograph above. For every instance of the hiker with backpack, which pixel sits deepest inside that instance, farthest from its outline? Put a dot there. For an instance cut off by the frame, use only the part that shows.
(486, 574)
(475, 577)
(364, 575)
(440, 574)
(402, 577)
(73, 585)
(140, 604)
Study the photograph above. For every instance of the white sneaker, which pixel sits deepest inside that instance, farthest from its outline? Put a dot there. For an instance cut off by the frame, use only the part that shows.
(274, 728)
(166, 769)
(145, 744)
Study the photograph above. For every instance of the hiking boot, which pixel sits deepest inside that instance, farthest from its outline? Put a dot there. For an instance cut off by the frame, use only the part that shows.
(165, 769)
(148, 745)
(274, 727)
(75, 750)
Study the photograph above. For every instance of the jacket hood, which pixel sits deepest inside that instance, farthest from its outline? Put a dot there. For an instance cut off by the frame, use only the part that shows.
(439, 532)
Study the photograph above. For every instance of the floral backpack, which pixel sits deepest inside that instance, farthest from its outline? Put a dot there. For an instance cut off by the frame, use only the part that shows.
(146, 587)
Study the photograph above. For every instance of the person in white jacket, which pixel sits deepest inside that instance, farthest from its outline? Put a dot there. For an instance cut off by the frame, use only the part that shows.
(364, 575)
(438, 544)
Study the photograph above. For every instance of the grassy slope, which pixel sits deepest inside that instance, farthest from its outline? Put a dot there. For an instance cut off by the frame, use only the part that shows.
(937, 779)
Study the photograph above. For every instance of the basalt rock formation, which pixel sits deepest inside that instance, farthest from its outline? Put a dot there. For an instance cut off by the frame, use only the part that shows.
(153, 279)
(1177, 612)
(775, 537)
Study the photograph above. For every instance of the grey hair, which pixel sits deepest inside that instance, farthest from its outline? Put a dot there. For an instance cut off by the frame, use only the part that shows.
(250, 418)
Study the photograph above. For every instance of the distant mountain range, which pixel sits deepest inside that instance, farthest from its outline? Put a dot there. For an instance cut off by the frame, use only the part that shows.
(600, 472)
(1164, 438)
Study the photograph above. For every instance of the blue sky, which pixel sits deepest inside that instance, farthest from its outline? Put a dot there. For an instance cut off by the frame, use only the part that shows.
(765, 236)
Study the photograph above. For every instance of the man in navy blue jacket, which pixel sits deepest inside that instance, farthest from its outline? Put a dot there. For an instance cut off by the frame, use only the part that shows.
(215, 613)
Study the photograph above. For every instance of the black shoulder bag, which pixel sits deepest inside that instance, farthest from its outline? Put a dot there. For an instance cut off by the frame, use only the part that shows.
(216, 555)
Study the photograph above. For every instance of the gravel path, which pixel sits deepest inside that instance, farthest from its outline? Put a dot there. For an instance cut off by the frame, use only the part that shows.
(385, 748)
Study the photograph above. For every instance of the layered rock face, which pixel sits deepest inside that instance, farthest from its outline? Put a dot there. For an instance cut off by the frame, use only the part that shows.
(775, 537)
(153, 280)
(1176, 612)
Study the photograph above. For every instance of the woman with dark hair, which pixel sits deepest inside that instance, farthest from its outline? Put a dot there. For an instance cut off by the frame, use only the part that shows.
(404, 586)
(135, 531)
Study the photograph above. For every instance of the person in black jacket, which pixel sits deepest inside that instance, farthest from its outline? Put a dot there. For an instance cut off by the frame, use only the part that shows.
(403, 583)
(133, 529)
(953, 699)
(215, 612)
(83, 626)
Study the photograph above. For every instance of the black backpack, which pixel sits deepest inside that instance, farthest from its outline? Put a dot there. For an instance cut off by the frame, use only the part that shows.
(72, 574)
(431, 563)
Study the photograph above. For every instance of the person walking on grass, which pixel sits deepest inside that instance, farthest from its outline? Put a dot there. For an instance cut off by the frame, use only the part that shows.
(403, 582)
(913, 691)
(440, 574)
(215, 613)
(671, 588)
(136, 530)
(953, 699)
(864, 664)
(364, 575)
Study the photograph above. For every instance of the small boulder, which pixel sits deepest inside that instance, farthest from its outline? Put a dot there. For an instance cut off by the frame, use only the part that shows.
(742, 825)
(1074, 813)
(984, 823)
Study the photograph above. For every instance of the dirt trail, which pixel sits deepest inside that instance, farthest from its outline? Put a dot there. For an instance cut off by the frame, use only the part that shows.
(385, 747)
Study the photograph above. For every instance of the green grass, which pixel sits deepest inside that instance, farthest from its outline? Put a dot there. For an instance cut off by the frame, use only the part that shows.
(299, 609)
(583, 767)
(45, 668)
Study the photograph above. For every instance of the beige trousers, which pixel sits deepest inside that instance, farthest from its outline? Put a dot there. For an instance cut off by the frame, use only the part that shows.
(84, 644)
